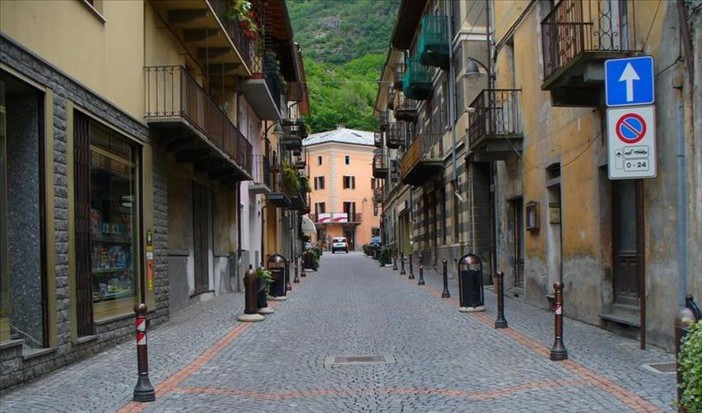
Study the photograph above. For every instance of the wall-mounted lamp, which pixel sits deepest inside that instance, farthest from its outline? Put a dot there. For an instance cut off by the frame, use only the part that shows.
(473, 69)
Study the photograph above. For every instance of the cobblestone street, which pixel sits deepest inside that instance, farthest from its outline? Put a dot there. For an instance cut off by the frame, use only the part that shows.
(355, 337)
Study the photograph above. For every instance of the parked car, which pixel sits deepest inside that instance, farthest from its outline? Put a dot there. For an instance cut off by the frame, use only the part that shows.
(339, 244)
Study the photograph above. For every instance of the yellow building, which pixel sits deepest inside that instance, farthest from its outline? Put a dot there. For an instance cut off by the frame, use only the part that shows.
(128, 132)
(341, 202)
(531, 170)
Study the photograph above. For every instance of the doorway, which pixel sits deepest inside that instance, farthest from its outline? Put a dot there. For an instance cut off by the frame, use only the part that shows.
(201, 237)
(627, 253)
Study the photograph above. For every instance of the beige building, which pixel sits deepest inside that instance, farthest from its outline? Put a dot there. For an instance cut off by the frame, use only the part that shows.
(128, 133)
(339, 170)
(495, 131)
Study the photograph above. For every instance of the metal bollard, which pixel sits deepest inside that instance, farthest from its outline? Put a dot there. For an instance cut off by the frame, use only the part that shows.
(394, 261)
(686, 316)
(421, 271)
(402, 263)
(445, 293)
(500, 322)
(296, 280)
(250, 298)
(288, 287)
(411, 275)
(304, 258)
(143, 391)
(558, 351)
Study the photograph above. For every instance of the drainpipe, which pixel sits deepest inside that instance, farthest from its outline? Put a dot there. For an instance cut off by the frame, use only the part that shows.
(493, 164)
(452, 111)
(682, 191)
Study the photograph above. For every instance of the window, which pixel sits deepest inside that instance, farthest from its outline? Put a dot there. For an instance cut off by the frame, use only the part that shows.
(372, 183)
(319, 160)
(319, 182)
(350, 210)
(349, 182)
(23, 291)
(347, 160)
(319, 208)
(107, 232)
(375, 210)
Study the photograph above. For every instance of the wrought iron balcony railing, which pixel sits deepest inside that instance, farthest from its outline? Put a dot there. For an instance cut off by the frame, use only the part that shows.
(495, 123)
(577, 26)
(261, 173)
(172, 94)
(396, 136)
(380, 163)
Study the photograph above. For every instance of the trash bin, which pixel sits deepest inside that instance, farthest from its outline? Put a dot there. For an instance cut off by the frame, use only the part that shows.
(276, 265)
(470, 283)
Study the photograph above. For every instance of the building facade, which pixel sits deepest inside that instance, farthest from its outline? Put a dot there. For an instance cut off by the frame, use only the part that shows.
(517, 171)
(128, 133)
(341, 202)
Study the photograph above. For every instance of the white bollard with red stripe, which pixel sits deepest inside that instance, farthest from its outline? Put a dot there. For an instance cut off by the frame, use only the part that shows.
(143, 391)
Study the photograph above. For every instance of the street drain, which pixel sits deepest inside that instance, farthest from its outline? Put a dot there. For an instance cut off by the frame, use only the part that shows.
(661, 367)
(357, 360)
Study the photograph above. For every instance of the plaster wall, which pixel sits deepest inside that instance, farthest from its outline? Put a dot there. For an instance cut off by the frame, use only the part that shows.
(105, 54)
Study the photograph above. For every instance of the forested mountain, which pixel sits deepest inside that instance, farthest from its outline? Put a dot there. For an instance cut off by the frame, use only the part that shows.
(344, 44)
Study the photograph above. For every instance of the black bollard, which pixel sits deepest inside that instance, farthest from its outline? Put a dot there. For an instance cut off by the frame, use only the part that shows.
(558, 351)
(143, 391)
(421, 270)
(500, 322)
(445, 293)
(296, 280)
(394, 261)
(304, 264)
(411, 276)
(288, 287)
(250, 298)
(402, 263)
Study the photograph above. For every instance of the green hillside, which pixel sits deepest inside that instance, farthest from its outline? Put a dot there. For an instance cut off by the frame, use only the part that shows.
(344, 44)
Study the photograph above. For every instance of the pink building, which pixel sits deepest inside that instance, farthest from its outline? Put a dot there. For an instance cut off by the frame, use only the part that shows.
(339, 164)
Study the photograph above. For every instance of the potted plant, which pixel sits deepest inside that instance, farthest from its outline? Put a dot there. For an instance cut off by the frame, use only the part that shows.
(265, 278)
(691, 369)
(243, 12)
(289, 178)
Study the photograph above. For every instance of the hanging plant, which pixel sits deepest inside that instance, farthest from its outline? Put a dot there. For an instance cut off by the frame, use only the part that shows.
(243, 12)
(289, 178)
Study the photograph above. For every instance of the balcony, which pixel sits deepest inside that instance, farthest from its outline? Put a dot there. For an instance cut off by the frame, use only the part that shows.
(391, 97)
(191, 126)
(380, 163)
(203, 30)
(433, 47)
(494, 130)
(416, 83)
(422, 162)
(384, 120)
(264, 90)
(396, 136)
(378, 195)
(293, 133)
(378, 139)
(577, 37)
(299, 202)
(406, 108)
(261, 174)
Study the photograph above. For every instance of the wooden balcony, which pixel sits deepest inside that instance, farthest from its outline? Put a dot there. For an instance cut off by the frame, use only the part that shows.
(380, 164)
(191, 126)
(494, 130)
(577, 37)
(422, 162)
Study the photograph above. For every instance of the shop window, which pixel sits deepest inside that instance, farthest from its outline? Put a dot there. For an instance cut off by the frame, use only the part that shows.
(107, 278)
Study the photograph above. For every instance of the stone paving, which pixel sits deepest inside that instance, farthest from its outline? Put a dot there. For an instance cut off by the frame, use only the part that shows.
(406, 350)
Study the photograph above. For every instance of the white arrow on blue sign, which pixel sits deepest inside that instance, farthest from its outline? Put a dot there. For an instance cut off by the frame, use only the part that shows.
(629, 81)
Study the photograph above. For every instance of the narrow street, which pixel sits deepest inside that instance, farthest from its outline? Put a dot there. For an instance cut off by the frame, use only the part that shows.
(355, 337)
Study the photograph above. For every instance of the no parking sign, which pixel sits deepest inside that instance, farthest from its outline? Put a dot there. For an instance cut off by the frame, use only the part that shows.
(632, 142)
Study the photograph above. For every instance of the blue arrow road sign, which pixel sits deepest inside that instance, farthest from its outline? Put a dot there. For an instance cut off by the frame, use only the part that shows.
(629, 81)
